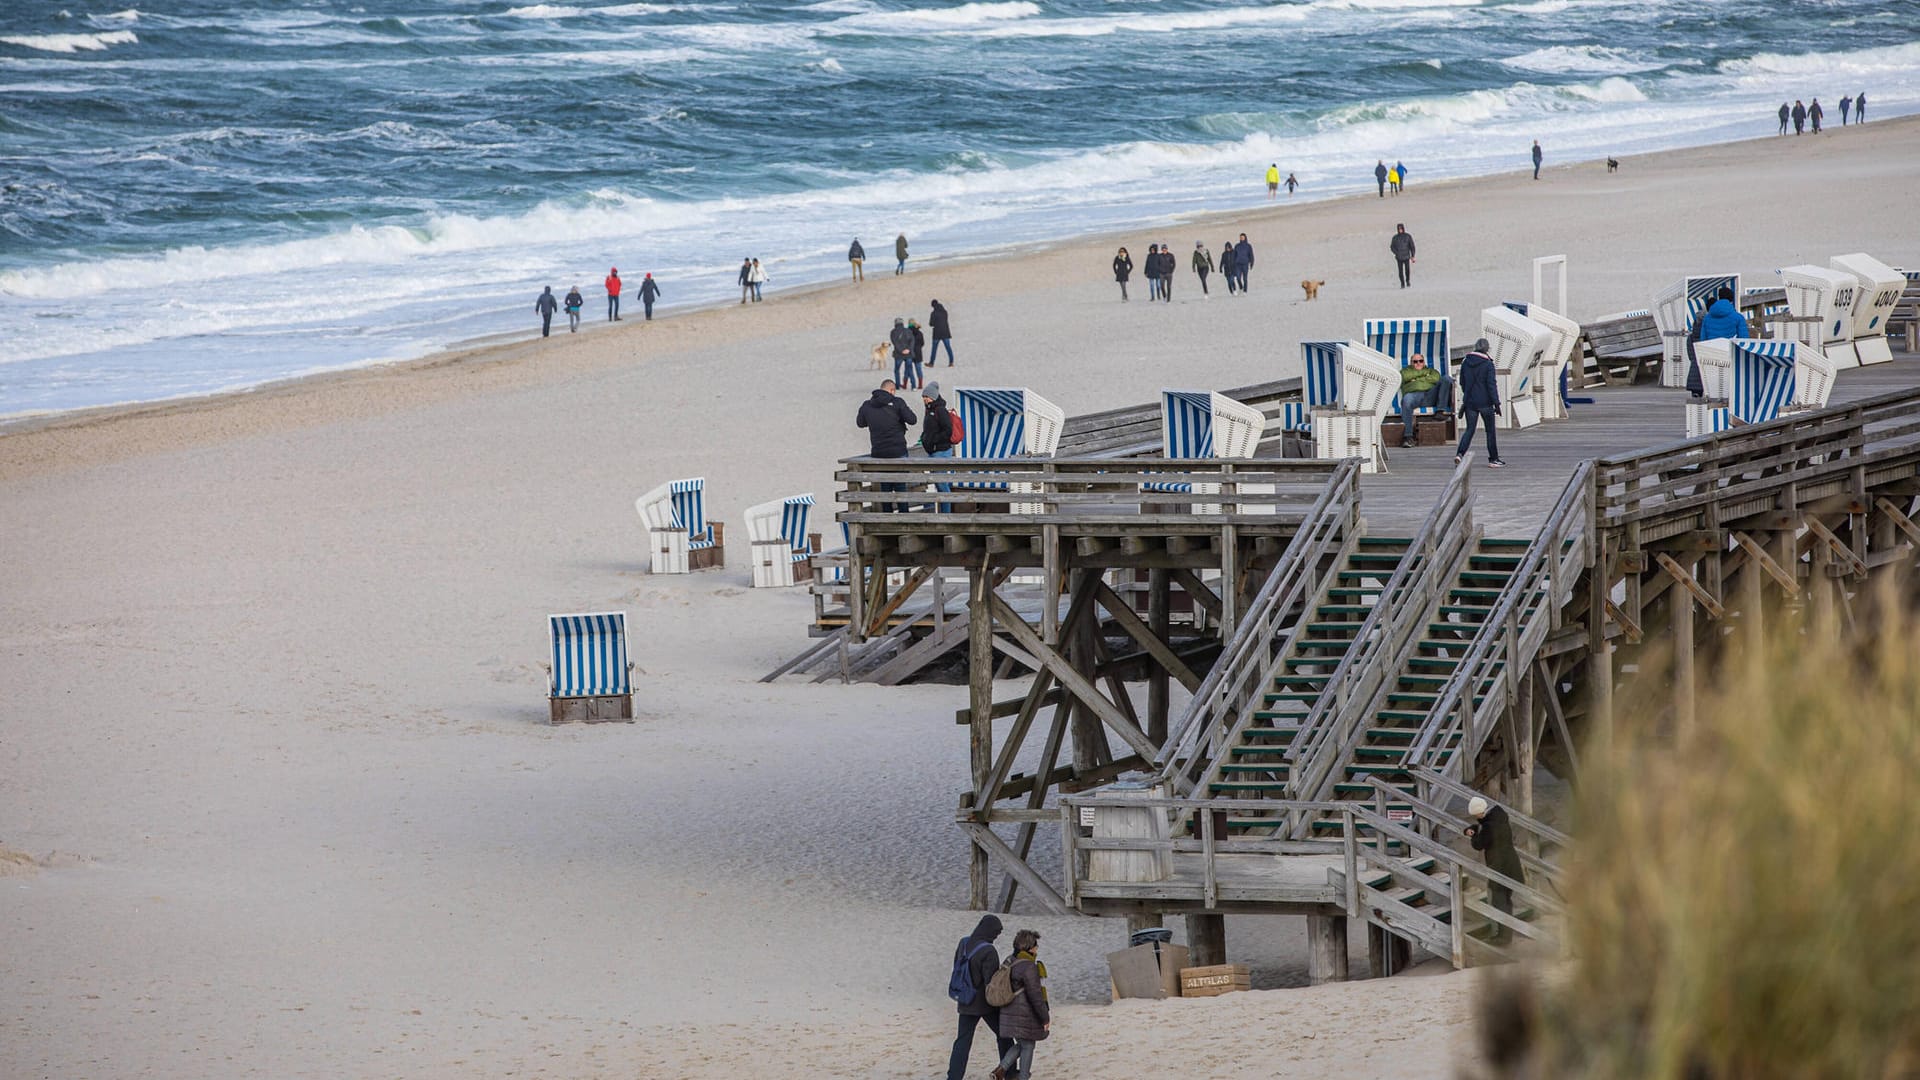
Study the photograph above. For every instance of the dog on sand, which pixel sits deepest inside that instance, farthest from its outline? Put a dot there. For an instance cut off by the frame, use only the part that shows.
(1612, 165)
(878, 360)
(1312, 289)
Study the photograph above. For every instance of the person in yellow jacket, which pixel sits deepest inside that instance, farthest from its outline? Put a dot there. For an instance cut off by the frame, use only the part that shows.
(1273, 180)
(1393, 180)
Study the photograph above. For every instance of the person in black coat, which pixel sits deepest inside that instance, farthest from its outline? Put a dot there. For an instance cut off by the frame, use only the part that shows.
(942, 332)
(902, 340)
(887, 419)
(982, 961)
(546, 305)
(1122, 268)
(1402, 247)
(1786, 114)
(1169, 266)
(1380, 177)
(1152, 270)
(1480, 400)
(649, 292)
(1242, 260)
(1799, 118)
(1228, 268)
(1493, 834)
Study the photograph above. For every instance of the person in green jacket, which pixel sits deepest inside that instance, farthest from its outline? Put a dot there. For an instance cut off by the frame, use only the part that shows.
(1492, 833)
(1421, 387)
(1202, 264)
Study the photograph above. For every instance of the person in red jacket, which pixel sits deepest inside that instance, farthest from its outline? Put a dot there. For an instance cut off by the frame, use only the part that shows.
(613, 295)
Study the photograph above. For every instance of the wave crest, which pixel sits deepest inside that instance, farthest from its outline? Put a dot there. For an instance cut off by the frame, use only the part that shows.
(72, 43)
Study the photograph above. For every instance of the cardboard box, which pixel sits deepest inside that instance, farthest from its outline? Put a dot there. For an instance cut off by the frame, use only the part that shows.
(1214, 981)
(1147, 971)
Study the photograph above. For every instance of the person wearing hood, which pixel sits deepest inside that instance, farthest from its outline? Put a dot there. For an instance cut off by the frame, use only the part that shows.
(1480, 400)
(1846, 103)
(1380, 177)
(1292, 183)
(613, 295)
(936, 435)
(856, 255)
(902, 340)
(1814, 115)
(942, 334)
(1799, 117)
(649, 292)
(1027, 1019)
(546, 305)
(1227, 268)
(900, 254)
(1786, 112)
(573, 303)
(1402, 247)
(1721, 319)
(1242, 261)
(1169, 266)
(1860, 107)
(1122, 268)
(1202, 264)
(1152, 271)
(1492, 832)
(974, 962)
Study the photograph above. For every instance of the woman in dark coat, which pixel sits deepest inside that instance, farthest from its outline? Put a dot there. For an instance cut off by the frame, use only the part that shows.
(1229, 266)
(1122, 266)
(1492, 832)
(1027, 1019)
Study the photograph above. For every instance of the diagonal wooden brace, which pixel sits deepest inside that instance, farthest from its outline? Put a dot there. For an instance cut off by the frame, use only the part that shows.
(1759, 557)
(1900, 521)
(1688, 582)
(1840, 550)
(1073, 681)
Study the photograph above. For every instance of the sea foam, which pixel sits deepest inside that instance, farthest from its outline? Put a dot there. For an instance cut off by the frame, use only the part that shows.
(72, 43)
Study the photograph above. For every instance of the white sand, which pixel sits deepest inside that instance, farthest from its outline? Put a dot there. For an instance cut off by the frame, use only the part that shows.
(273, 729)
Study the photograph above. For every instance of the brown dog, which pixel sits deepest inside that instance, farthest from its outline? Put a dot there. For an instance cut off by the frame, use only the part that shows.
(879, 357)
(1312, 289)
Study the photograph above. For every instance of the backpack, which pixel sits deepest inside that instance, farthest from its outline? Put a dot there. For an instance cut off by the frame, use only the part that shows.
(1000, 991)
(960, 985)
(958, 432)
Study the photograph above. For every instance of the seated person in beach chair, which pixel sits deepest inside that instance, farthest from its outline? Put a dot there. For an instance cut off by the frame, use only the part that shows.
(1421, 387)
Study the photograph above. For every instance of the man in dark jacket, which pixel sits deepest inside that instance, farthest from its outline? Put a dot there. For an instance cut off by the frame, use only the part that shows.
(1242, 260)
(1402, 248)
(1152, 271)
(1169, 266)
(649, 292)
(1721, 319)
(902, 341)
(1799, 117)
(1380, 177)
(1860, 108)
(887, 419)
(546, 306)
(857, 255)
(981, 959)
(942, 332)
(1536, 159)
(1815, 114)
(1480, 400)
(1786, 114)
(1493, 834)
(1227, 268)
(900, 254)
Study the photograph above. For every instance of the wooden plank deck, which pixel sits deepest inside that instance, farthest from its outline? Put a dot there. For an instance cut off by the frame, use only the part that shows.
(1514, 501)
(1263, 881)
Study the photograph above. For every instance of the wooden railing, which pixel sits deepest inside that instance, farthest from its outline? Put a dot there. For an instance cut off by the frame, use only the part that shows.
(1387, 638)
(1077, 491)
(1135, 430)
(1226, 701)
(1485, 685)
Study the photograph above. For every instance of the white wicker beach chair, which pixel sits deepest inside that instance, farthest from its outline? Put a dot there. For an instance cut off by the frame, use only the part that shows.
(1674, 309)
(1826, 295)
(778, 539)
(1518, 346)
(1549, 381)
(1878, 294)
(681, 539)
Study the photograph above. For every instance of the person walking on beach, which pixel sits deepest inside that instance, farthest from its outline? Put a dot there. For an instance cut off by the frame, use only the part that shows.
(1536, 159)
(900, 254)
(1242, 261)
(1721, 319)
(942, 334)
(1799, 117)
(613, 295)
(1846, 103)
(759, 276)
(974, 962)
(1786, 114)
(1399, 177)
(1291, 183)
(546, 305)
(649, 292)
(918, 377)
(1393, 181)
(1814, 113)
(1169, 266)
(857, 255)
(1026, 1019)
(886, 419)
(1273, 180)
(1421, 387)
(1380, 177)
(1122, 268)
(1492, 832)
(1152, 270)
(1227, 268)
(746, 280)
(1480, 400)
(1860, 107)
(1402, 247)
(573, 303)
(902, 340)
(1202, 264)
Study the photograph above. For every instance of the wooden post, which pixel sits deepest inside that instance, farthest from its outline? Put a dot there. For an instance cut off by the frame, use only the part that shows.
(980, 722)
(1680, 601)
(1160, 621)
(1142, 920)
(1207, 939)
(1599, 655)
(1387, 953)
(1752, 598)
(1826, 615)
(1326, 949)
(1090, 747)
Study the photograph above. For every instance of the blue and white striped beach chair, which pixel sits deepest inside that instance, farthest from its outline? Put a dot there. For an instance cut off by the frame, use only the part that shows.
(777, 535)
(1674, 310)
(1198, 424)
(1006, 422)
(1762, 379)
(589, 675)
(1319, 386)
(1401, 338)
(681, 538)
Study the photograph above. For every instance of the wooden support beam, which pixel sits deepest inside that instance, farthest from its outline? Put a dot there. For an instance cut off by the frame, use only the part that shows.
(1036, 798)
(1134, 544)
(1015, 653)
(986, 840)
(912, 544)
(1757, 557)
(1123, 616)
(1681, 633)
(1075, 683)
(999, 543)
(1037, 698)
(1197, 589)
(1900, 521)
(1207, 939)
(1628, 627)
(916, 579)
(954, 544)
(1160, 625)
(1088, 546)
(1179, 545)
(1683, 576)
(1326, 949)
(980, 731)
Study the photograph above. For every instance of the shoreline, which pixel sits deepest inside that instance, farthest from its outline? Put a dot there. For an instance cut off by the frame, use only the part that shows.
(505, 348)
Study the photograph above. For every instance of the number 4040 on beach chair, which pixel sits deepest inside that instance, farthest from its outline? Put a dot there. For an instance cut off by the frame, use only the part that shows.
(680, 538)
(590, 677)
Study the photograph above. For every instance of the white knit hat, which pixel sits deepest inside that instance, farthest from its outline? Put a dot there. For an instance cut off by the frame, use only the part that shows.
(1477, 807)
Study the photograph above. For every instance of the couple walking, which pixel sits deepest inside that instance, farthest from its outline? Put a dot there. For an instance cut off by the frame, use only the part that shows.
(857, 257)
(910, 343)
(1011, 997)
(752, 277)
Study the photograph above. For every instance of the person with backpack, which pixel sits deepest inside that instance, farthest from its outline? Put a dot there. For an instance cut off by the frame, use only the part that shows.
(974, 964)
(1019, 990)
(919, 353)
(940, 433)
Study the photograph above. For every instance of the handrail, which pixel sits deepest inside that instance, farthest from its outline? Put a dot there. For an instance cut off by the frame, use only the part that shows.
(1544, 831)
(1437, 819)
(882, 492)
(1507, 640)
(1385, 638)
(1220, 705)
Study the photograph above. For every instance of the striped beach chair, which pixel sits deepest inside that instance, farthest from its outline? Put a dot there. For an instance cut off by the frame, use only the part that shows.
(1401, 338)
(778, 538)
(1518, 346)
(589, 676)
(681, 538)
(1203, 424)
(1879, 293)
(1550, 378)
(1674, 309)
(1006, 422)
(1319, 385)
(1762, 379)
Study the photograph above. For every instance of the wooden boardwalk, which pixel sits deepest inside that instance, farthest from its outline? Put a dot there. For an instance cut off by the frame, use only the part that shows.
(1513, 502)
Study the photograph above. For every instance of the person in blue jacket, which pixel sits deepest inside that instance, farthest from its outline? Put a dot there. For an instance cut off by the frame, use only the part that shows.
(1721, 319)
(1480, 400)
(1242, 260)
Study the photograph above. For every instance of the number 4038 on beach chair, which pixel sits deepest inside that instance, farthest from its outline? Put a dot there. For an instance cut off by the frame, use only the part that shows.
(590, 678)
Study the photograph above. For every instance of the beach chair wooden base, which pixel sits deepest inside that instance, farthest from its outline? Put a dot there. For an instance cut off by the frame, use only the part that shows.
(1437, 430)
(603, 709)
(710, 558)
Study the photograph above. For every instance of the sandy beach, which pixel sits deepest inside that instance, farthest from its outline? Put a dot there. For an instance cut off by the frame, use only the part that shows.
(280, 796)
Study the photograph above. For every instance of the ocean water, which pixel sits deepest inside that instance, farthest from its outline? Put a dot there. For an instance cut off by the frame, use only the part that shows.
(198, 195)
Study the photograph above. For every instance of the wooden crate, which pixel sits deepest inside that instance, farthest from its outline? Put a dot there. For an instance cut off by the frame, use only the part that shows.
(712, 557)
(590, 710)
(1214, 980)
(1438, 429)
